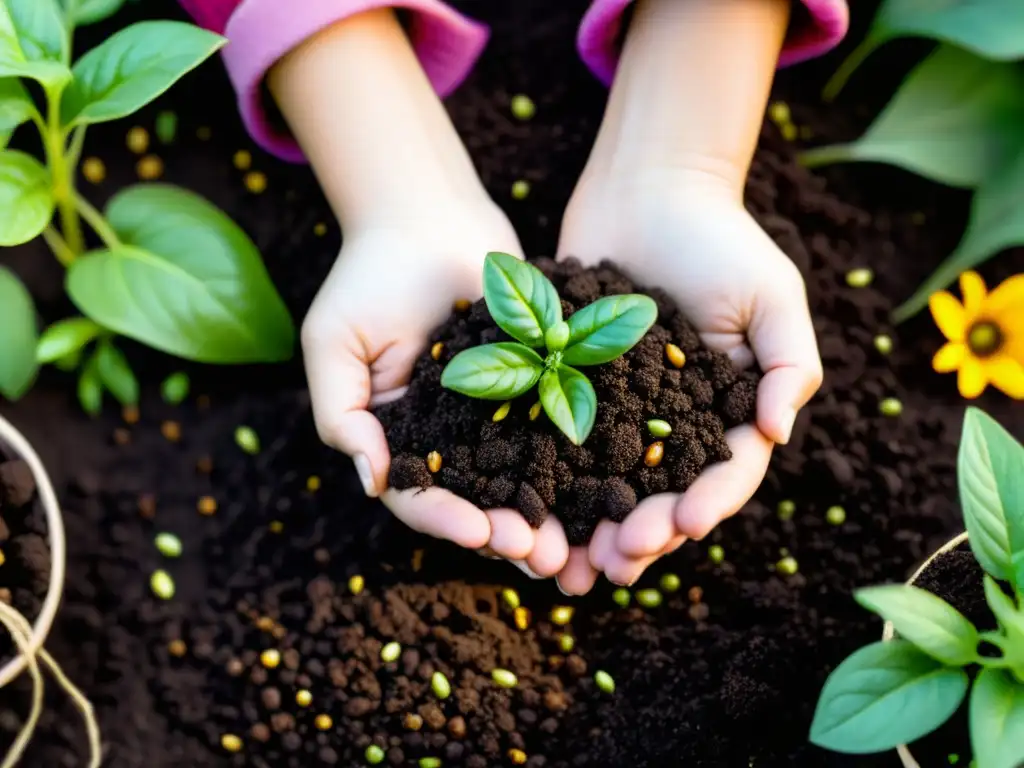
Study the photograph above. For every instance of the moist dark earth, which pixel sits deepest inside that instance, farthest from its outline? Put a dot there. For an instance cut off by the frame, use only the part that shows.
(725, 672)
(527, 463)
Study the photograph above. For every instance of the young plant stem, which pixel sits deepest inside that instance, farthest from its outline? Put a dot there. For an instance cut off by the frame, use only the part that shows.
(58, 246)
(857, 57)
(95, 220)
(63, 177)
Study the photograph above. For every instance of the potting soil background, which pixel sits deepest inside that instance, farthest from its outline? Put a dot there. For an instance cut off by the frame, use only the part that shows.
(733, 683)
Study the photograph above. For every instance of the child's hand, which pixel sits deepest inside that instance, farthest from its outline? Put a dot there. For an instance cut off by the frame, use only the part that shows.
(688, 233)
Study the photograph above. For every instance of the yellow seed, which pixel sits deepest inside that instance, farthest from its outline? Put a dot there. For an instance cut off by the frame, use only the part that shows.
(264, 624)
(177, 648)
(462, 305)
(504, 678)
(303, 698)
(436, 350)
(270, 658)
(93, 170)
(137, 140)
(243, 160)
(130, 414)
(535, 411)
(523, 107)
(256, 182)
(655, 453)
(860, 277)
(171, 430)
(313, 483)
(566, 643)
(320, 229)
(230, 742)
(517, 756)
(276, 526)
(511, 598)
(323, 722)
(3, 557)
(149, 168)
(390, 652)
(520, 189)
(789, 131)
(356, 584)
(675, 355)
(562, 614)
(521, 617)
(502, 412)
(779, 112)
(434, 462)
(207, 506)
(883, 343)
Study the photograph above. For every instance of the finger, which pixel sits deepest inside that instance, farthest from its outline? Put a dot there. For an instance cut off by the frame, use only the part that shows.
(723, 488)
(511, 536)
(626, 571)
(676, 543)
(602, 543)
(550, 550)
(440, 513)
(578, 577)
(649, 528)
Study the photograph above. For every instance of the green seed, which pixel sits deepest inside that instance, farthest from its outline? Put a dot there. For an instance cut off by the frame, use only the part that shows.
(566, 643)
(166, 127)
(787, 566)
(390, 652)
(604, 681)
(659, 427)
(511, 598)
(890, 407)
(860, 277)
(716, 554)
(504, 678)
(168, 544)
(883, 343)
(162, 584)
(523, 107)
(175, 388)
(520, 189)
(835, 515)
(247, 440)
(953, 758)
(649, 598)
(621, 597)
(440, 686)
(670, 583)
(430, 762)
(374, 755)
(786, 509)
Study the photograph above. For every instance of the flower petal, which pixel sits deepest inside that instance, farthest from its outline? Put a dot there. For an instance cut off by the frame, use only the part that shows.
(1006, 374)
(971, 380)
(950, 357)
(949, 315)
(972, 287)
(1005, 305)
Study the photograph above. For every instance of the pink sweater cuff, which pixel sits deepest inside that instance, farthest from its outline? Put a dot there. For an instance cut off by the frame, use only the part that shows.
(599, 34)
(260, 32)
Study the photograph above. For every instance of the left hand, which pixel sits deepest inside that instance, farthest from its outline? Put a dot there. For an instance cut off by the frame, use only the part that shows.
(688, 233)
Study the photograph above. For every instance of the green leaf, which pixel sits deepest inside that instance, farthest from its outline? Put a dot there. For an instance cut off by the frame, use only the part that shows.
(569, 401)
(64, 338)
(25, 198)
(608, 328)
(956, 120)
(990, 473)
(92, 11)
(90, 388)
(493, 371)
(132, 68)
(175, 388)
(522, 301)
(15, 107)
(927, 621)
(69, 362)
(116, 374)
(997, 719)
(33, 42)
(885, 694)
(1010, 619)
(17, 337)
(187, 281)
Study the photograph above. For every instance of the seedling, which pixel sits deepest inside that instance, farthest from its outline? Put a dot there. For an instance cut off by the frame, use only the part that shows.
(524, 304)
(894, 692)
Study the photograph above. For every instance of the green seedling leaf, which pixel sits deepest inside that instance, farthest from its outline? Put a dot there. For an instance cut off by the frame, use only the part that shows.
(569, 401)
(997, 719)
(69, 362)
(26, 199)
(15, 107)
(18, 332)
(1010, 619)
(493, 371)
(927, 621)
(116, 374)
(187, 281)
(522, 301)
(33, 42)
(90, 388)
(65, 338)
(608, 328)
(132, 68)
(175, 388)
(91, 11)
(955, 120)
(885, 694)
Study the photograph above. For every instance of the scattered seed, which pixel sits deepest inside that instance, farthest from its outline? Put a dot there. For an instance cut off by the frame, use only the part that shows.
(93, 170)
(860, 277)
(786, 509)
(168, 544)
(566, 643)
(434, 462)
(243, 160)
(175, 388)
(177, 648)
(670, 583)
(436, 350)
(412, 722)
(166, 127)
(520, 189)
(230, 742)
(883, 343)
(147, 506)
(659, 428)
(835, 515)
(787, 566)
(604, 681)
(137, 140)
(890, 407)
(655, 453)
(171, 430)
(462, 305)
(457, 727)
(716, 554)
(149, 168)
(502, 412)
(162, 584)
(319, 229)
(356, 584)
(417, 560)
(789, 131)
(535, 411)
(130, 414)
(264, 624)
(562, 614)
(695, 594)
(122, 436)
(430, 762)
(699, 611)
(649, 598)
(256, 182)
(270, 658)
(323, 722)
(313, 483)
(523, 107)
(390, 652)
(207, 506)
(275, 526)
(675, 355)
(521, 618)
(504, 678)
(440, 686)
(3, 557)
(621, 597)
(247, 439)
(511, 598)
(517, 757)
(778, 112)
(374, 755)
(303, 698)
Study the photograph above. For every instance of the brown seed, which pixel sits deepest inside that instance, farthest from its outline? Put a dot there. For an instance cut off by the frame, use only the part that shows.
(699, 612)
(434, 461)
(150, 168)
(436, 350)
(260, 732)
(675, 355)
(462, 305)
(147, 506)
(521, 617)
(412, 722)
(457, 727)
(279, 633)
(417, 560)
(696, 594)
(205, 465)
(264, 623)
(207, 506)
(122, 436)
(177, 648)
(171, 430)
(235, 667)
(655, 453)
(5, 596)
(130, 414)
(517, 756)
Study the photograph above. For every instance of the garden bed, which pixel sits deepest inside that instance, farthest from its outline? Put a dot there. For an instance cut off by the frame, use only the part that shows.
(725, 671)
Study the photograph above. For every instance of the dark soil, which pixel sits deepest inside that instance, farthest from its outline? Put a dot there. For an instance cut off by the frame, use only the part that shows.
(529, 464)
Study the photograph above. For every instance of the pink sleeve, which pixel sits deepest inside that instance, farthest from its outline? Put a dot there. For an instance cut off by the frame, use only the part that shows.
(260, 32)
(599, 34)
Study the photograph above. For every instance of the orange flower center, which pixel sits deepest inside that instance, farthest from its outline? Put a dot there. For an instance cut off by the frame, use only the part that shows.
(984, 338)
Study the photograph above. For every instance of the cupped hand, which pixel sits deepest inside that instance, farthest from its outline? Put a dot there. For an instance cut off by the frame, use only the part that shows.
(393, 283)
(689, 234)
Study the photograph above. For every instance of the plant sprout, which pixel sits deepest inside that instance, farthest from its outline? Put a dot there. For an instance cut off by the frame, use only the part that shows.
(524, 304)
(894, 692)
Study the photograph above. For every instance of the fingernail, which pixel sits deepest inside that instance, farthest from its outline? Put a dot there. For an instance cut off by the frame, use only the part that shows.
(522, 566)
(489, 553)
(786, 421)
(365, 473)
(559, 585)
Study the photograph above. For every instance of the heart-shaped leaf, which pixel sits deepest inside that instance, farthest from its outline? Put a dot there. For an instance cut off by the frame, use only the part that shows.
(15, 107)
(569, 401)
(187, 281)
(132, 68)
(955, 120)
(608, 328)
(925, 620)
(25, 198)
(18, 365)
(885, 694)
(33, 42)
(92, 11)
(997, 719)
(521, 300)
(64, 338)
(90, 387)
(493, 371)
(116, 374)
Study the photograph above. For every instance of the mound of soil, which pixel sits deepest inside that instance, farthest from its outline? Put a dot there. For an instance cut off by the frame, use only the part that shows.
(529, 464)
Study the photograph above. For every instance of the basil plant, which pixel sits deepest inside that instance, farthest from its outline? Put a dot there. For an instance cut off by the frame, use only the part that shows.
(524, 304)
(894, 692)
(171, 271)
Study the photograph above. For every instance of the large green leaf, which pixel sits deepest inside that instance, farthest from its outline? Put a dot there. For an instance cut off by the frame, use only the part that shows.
(64, 338)
(33, 42)
(493, 371)
(885, 694)
(997, 719)
(116, 374)
(608, 328)
(956, 119)
(18, 365)
(26, 200)
(92, 11)
(15, 107)
(925, 620)
(187, 281)
(132, 68)
(569, 401)
(521, 300)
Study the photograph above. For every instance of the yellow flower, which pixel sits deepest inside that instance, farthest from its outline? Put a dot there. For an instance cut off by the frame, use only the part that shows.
(986, 335)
